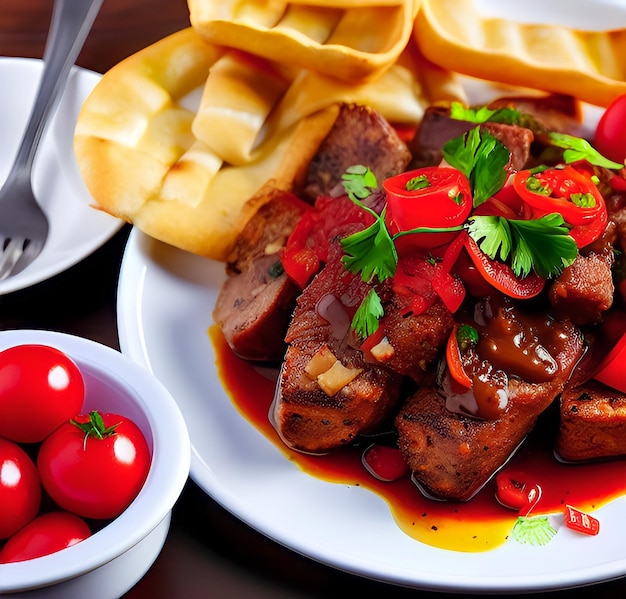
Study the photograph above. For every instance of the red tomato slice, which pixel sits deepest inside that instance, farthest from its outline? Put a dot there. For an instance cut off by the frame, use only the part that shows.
(48, 533)
(40, 388)
(20, 490)
(610, 135)
(90, 476)
(427, 197)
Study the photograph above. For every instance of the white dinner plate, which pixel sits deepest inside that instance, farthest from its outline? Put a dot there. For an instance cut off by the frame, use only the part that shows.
(165, 303)
(76, 229)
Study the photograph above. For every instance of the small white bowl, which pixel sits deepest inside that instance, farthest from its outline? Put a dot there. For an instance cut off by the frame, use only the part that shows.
(115, 558)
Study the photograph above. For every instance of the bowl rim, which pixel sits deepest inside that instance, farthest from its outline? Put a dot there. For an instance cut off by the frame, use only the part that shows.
(166, 478)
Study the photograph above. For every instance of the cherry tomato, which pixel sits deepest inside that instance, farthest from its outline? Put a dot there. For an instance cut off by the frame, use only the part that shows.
(427, 197)
(46, 534)
(610, 136)
(40, 388)
(568, 192)
(20, 489)
(94, 465)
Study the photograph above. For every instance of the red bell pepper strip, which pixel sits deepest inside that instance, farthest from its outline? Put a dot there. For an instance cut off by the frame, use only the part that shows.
(580, 521)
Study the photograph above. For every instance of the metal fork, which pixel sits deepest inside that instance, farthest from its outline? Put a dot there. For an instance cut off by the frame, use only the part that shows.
(23, 225)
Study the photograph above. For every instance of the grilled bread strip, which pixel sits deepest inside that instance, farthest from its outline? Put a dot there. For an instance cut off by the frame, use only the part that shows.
(589, 65)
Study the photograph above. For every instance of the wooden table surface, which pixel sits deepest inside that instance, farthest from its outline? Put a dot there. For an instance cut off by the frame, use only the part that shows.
(208, 553)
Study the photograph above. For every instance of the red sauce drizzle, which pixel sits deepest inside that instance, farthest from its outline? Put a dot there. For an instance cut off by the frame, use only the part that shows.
(478, 525)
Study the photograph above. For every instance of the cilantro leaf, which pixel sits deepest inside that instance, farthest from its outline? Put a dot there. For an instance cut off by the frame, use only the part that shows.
(492, 234)
(367, 317)
(371, 252)
(533, 531)
(359, 182)
(482, 159)
(460, 152)
(543, 245)
(483, 114)
(577, 148)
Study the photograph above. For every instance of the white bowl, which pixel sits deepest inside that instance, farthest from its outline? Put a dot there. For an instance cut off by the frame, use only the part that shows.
(115, 558)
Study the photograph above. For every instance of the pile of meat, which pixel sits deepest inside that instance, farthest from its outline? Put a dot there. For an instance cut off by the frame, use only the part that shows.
(332, 388)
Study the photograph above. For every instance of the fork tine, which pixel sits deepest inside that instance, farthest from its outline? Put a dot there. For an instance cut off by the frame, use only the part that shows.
(31, 249)
(11, 253)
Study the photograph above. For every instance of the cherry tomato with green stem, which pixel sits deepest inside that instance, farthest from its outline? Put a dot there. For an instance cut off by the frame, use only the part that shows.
(94, 465)
(20, 489)
(40, 388)
(46, 534)
(610, 135)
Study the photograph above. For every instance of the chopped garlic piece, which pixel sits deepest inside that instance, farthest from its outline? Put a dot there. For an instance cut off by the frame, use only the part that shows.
(322, 361)
(336, 378)
(383, 350)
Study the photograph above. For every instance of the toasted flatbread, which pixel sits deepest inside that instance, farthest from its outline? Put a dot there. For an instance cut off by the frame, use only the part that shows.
(589, 65)
(348, 40)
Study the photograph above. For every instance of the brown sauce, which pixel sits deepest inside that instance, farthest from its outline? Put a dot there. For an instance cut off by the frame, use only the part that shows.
(475, 526)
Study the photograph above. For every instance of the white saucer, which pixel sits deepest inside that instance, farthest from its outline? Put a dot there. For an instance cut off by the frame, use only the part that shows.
(76, 228)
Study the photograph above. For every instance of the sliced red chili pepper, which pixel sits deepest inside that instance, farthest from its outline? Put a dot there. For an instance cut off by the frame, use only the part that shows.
(506, 203)
(427, 197)
(454, 361)
(580, 521)
(564, 190)
(501, 276)
(568, 192)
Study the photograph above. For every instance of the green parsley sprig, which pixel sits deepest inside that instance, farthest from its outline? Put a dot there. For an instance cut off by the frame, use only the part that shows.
(371, 251)
(533, 531)
(483, 114)
(482, 159)
(543, 245)
(367, 317)
(577, 148)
